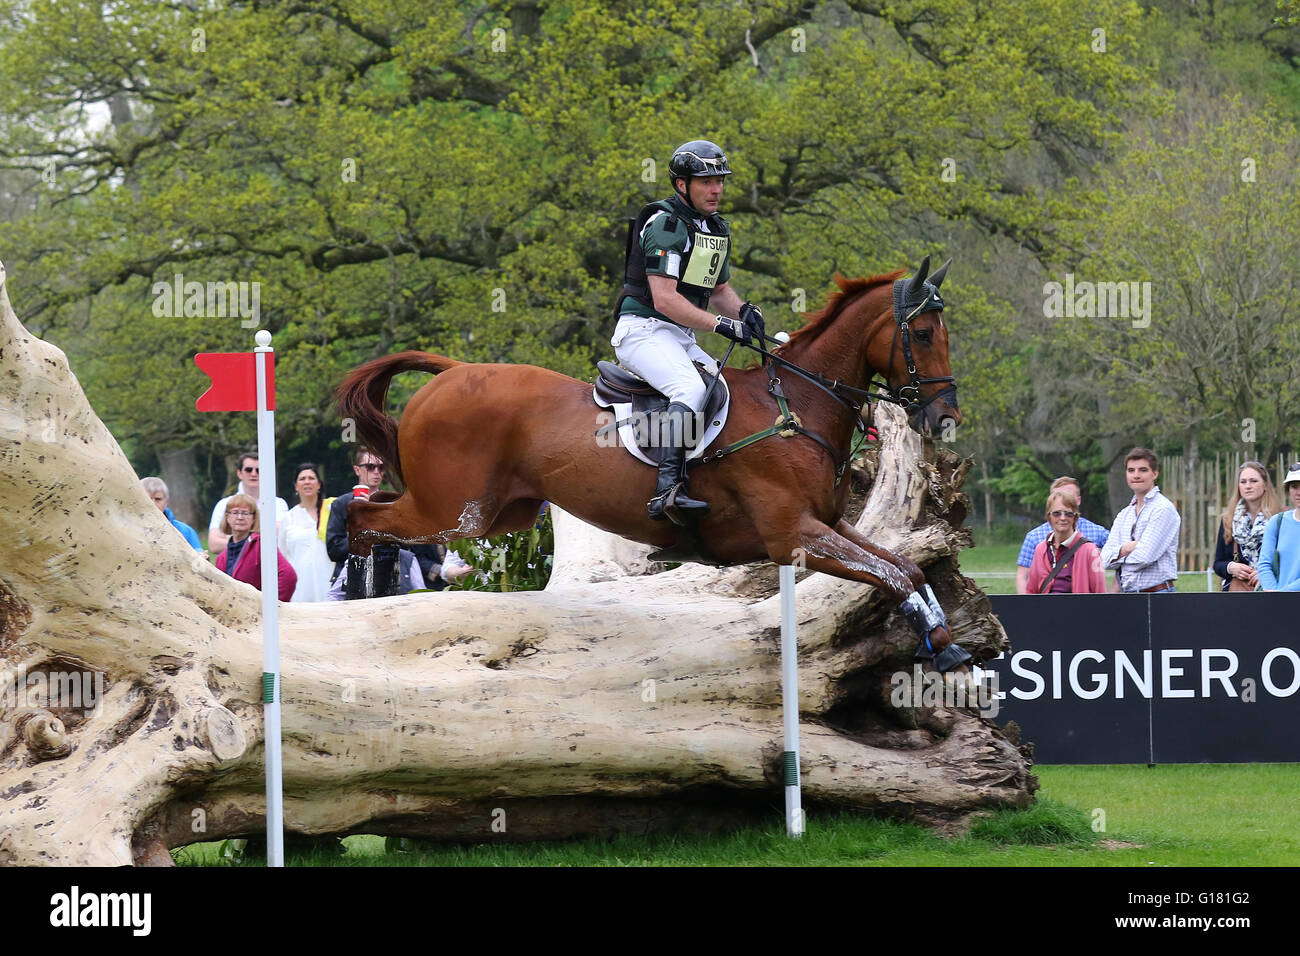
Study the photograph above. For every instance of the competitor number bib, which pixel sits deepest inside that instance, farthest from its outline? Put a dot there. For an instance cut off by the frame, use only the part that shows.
(707, 257)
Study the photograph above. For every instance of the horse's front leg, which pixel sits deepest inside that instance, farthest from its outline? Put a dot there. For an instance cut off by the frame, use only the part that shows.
(937, 644)
(902, 562)
(822, 548)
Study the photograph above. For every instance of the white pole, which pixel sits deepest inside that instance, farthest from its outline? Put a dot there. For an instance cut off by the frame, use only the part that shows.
(790, 704)
(270, 607)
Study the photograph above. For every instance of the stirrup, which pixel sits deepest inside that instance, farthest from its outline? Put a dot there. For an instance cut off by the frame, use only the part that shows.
(675, 505)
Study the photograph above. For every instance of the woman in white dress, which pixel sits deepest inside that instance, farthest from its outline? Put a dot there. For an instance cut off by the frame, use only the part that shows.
(302, 536)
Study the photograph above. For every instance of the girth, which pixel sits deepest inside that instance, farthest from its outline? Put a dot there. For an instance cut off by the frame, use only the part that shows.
(786, 426)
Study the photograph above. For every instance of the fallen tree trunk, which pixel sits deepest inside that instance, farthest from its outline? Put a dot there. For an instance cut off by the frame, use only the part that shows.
(614, 701)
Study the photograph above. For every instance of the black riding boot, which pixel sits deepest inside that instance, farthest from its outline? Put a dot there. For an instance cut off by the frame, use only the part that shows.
(672, 499)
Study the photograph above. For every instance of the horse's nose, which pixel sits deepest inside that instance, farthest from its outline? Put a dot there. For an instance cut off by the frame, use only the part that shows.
(947, 415)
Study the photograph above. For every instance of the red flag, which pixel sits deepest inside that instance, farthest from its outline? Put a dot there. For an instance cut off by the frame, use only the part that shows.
(234, 382)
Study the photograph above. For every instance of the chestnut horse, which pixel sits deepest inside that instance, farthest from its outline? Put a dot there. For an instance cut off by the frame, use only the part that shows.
(481, 447)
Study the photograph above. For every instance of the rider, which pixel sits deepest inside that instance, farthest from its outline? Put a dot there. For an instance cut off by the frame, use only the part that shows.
(677, 263)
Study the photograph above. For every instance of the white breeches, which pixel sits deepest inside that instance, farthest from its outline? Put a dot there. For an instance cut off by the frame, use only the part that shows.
(662, 354)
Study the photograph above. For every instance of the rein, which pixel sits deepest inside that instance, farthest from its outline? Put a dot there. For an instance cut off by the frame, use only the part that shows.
(908, 396)
(854, 398)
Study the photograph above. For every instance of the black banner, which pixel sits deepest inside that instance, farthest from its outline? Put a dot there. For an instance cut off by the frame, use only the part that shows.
(1151, 678)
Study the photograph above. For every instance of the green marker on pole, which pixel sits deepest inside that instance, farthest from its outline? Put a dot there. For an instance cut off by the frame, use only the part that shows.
(243, 382)
(790, 705)
(263, 355)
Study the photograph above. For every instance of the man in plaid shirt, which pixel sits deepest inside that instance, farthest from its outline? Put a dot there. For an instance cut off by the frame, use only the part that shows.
(1143, 543)
(1093, 532)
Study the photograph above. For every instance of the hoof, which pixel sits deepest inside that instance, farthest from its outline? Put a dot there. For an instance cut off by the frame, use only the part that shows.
(950, 658)
(925, 649)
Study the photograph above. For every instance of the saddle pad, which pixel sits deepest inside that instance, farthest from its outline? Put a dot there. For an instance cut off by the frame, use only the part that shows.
(628, 431)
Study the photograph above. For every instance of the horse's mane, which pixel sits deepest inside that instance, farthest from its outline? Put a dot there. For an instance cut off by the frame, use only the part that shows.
(849, 289)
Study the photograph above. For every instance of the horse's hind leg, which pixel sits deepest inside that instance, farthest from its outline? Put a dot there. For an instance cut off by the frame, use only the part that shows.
(376, 529)
(516, 516)
(407, 520)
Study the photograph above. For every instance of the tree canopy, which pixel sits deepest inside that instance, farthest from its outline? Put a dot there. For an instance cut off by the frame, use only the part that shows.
(406, 174)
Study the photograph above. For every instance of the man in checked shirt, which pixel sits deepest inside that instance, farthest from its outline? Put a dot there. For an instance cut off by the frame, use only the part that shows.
(1142, 547)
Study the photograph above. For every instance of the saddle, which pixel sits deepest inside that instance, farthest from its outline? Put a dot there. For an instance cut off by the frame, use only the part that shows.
(636, 404)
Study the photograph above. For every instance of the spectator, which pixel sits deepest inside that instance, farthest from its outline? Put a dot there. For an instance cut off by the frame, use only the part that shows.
(1093, 532)
(1143, 544)
(302, 535)
(242, 558)
(447, 569)
(156, 489)
(440, 565)
(1067, 562)
(1279, 556)
(1236, 557)
(370, 472)
(249, 476)
(409, 579)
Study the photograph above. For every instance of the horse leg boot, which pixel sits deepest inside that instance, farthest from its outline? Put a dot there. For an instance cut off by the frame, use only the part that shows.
(358, 570)
(387, 569)
(373, 575)
(671, 499)
(930, 623)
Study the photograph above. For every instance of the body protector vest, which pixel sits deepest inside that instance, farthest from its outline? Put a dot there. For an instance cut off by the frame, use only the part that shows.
(702, 262)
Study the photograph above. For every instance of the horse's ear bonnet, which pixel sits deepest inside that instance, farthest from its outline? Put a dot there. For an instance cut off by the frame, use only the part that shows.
(916, 295)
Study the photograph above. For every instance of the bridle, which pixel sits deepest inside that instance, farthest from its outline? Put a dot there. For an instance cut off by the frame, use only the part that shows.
(907, 396)
(911, 297)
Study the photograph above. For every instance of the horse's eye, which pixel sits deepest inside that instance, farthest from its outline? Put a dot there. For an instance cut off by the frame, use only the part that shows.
(923, 335)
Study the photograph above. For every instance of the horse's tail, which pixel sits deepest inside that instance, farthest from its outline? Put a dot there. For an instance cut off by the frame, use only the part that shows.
(364, 393)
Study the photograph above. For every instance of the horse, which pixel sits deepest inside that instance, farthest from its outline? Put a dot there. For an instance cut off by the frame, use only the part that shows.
(482, 446)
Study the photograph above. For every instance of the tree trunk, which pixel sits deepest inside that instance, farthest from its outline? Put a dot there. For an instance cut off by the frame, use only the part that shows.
(1113, 449)
(611, 702)
(177, 468)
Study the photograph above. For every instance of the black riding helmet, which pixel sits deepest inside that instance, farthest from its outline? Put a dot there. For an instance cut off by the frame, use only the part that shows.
(699, 157)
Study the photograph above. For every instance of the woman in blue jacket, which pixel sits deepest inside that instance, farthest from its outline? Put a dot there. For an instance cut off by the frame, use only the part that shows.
(1279, 558)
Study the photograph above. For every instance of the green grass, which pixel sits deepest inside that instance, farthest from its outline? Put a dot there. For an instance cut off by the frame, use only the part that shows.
(1177, 815)
(977, 561)
(1189, 814)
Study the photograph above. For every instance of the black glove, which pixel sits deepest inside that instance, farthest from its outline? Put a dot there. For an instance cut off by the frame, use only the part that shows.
(733, 329)
(752, 317)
